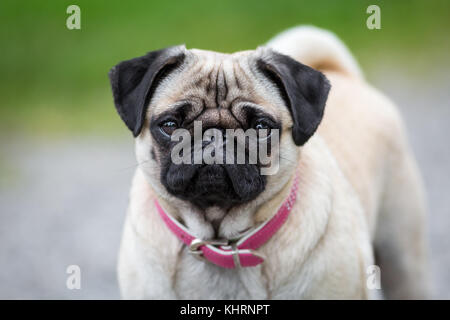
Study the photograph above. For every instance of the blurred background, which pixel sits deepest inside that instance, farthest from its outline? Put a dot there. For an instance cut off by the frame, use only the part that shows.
(66, 159)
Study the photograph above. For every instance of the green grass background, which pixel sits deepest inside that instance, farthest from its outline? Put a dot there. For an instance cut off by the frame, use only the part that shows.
(54, 80)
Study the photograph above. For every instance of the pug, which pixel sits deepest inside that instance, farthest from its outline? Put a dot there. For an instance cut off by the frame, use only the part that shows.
(341, 217)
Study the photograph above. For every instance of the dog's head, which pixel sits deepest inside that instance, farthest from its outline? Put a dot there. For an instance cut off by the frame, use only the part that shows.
(175, 88)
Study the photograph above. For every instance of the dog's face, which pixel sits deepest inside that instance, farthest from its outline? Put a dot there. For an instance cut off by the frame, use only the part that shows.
(174, 88)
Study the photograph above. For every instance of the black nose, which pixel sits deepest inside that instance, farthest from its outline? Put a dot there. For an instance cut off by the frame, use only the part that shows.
(214, 185)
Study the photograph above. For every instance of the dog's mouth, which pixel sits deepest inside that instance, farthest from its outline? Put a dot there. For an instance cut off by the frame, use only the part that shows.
(214, 185)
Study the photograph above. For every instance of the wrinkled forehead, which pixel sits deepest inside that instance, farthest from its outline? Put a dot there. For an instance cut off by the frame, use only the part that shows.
(212, 80)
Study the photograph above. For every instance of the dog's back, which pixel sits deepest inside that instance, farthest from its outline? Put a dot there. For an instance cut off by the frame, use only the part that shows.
(365, 133)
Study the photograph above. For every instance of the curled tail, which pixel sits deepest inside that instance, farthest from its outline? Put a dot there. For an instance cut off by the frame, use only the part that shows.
(317, 48)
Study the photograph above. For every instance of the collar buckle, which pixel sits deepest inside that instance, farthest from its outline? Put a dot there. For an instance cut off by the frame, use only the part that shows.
(194, 247)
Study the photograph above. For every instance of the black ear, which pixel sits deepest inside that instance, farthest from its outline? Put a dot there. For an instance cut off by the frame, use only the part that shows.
(134, 81)
(304, 90)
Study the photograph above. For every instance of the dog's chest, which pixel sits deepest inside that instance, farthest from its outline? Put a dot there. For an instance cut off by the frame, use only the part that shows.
(196, 279)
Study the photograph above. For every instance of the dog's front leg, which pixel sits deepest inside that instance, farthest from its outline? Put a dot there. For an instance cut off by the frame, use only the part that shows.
(142, 271)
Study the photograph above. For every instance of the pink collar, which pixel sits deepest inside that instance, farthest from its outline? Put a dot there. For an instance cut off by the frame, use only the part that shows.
(237, 254)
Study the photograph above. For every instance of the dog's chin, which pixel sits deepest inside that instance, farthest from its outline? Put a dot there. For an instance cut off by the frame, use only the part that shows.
(206, 186)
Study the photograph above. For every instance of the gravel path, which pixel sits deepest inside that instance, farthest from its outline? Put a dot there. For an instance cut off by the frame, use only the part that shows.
(63, 202)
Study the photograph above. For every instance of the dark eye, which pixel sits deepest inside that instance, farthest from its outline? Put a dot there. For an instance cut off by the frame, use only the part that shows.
(261, 124)
(168, 126)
